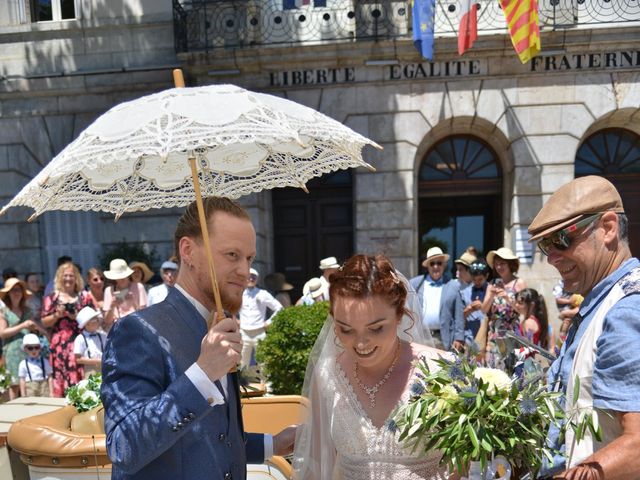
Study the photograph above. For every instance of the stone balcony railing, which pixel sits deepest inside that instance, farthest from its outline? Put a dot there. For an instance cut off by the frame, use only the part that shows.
(202, 25)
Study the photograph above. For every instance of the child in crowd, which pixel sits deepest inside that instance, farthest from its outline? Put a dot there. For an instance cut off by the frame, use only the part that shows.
(534, 323)
(89, 344)
(34, 371)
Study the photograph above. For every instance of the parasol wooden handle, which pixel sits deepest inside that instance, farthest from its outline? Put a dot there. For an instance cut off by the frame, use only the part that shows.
(178, 78)
(205, 238)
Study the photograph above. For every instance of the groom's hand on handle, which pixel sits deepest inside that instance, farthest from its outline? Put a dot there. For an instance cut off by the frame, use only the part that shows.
(220, 349)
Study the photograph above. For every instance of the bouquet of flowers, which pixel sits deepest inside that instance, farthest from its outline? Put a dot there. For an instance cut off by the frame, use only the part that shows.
(5, 380)
(85, 395)
(473, 414)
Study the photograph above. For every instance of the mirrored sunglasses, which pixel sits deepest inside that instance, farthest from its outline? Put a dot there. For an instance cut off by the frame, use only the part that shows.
(560, 240)
(478, 269)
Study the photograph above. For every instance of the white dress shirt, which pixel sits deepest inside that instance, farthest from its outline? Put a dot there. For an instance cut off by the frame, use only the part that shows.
(255, 302)
(431, 304)
(157, 294)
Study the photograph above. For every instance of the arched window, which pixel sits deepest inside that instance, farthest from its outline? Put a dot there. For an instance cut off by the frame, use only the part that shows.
(460, 188)
(614, 153)
(459, 157)
(609, 152)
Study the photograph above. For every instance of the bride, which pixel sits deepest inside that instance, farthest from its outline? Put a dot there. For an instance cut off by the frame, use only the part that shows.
(360, 370)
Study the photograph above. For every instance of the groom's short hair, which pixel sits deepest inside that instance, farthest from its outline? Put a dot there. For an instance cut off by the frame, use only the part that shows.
(189, 222)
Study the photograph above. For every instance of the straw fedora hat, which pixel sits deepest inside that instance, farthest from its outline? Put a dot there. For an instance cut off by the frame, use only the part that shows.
(466, 259)
(315, 287)
(329, 262)
(118, 269)
(432, 254)
(504, 253)
(12, 282)
(146, 271)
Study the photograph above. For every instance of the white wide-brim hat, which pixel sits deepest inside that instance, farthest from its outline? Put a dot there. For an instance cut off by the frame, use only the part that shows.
(118, 269)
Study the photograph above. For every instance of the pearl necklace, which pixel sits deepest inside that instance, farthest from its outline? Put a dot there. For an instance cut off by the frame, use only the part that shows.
(372, 391)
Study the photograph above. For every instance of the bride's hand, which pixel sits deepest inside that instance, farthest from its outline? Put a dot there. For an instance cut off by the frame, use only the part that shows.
(283, 441)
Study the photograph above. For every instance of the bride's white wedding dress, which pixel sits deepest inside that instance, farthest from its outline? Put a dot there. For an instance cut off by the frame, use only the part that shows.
(365, 451)
(344, 443)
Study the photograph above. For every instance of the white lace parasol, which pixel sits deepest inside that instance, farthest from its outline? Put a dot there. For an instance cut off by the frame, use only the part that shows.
(135, 156)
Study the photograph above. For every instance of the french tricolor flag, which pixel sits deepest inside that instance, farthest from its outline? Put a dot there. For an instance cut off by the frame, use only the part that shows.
(468, 28)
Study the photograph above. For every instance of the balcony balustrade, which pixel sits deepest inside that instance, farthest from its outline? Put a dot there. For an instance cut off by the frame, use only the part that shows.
(202, 25)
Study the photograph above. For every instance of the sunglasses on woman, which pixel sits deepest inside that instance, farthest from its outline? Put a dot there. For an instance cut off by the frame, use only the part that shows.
(33, 348)
(560, 240)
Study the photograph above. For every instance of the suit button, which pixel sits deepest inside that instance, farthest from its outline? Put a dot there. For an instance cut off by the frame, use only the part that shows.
(229, 444)
(192, 415)
(221, 437)
(186, 419)
(228, 476)
(175, 428)
(179, 424)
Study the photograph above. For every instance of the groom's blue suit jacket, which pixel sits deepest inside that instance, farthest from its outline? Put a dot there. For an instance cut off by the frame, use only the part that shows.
(158, 425)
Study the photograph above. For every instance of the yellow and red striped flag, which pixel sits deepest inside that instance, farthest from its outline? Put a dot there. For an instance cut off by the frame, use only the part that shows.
(522, 19)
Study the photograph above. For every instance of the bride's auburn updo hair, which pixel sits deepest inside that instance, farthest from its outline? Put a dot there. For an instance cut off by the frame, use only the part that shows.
(364, 276)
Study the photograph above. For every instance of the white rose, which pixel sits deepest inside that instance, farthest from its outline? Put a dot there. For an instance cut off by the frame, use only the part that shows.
(497, 380)
(89, 396)
(83, 384)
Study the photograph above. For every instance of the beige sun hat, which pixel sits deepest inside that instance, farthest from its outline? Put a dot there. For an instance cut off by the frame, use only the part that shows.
(12, 282)
(146, 271)
(118, 269)
(582, 196)
(504, 253)
(433, 253)
(466, 259)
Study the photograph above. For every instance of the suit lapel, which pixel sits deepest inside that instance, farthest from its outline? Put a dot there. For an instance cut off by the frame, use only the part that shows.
(183, 327)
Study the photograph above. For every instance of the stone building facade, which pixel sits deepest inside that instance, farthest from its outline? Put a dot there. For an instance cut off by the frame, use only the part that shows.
(522, 125)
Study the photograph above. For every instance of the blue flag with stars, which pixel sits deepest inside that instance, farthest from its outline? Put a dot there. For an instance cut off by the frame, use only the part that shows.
(424, 26)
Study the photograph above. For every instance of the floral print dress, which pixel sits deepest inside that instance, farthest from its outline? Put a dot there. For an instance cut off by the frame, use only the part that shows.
(502, 318)
(66, 371)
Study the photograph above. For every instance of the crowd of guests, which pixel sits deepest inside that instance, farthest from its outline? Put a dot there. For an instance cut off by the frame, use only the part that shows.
(485, 300)
(53, 336)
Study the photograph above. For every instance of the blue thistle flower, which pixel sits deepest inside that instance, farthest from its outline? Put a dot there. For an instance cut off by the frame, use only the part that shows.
(456, 373)
(528, 406)
(417, 389)
(391, 425)
(470, 401)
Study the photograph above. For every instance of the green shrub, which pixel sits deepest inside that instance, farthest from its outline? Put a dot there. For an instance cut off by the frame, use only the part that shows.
(284, 353)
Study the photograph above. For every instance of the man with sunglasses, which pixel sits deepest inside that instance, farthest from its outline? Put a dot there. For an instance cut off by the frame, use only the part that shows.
(583, 230)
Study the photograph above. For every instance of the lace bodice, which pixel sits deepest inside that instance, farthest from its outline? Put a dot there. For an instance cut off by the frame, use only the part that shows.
(365, 451)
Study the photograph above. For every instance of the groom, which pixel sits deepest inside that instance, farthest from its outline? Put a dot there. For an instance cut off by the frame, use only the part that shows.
(171, 409)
